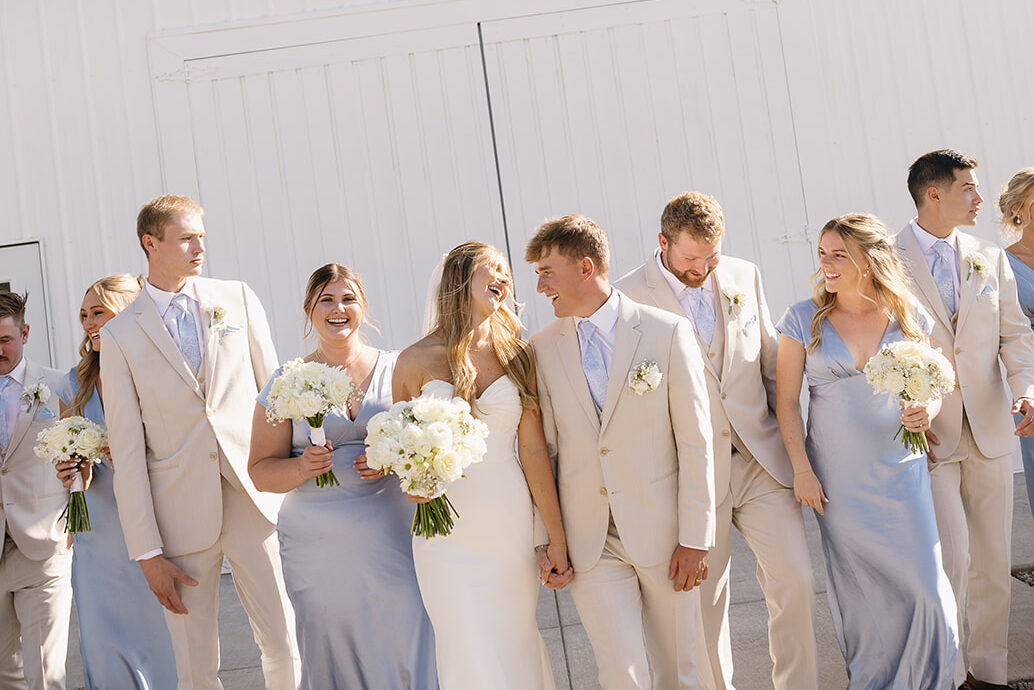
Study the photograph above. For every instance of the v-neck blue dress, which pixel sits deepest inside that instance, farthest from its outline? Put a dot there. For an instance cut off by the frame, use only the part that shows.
(348, 565)
(1025, 290)
(891, 603)
(123, 639)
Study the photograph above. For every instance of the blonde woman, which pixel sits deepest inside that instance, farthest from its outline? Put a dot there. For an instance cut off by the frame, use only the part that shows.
(123, 638)
(891, 603)
(480, 583)
(1016, 202)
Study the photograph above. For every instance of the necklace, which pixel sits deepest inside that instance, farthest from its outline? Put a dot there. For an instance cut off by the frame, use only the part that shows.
(322, 359)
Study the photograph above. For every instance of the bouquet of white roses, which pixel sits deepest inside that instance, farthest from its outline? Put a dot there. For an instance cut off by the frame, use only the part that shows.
(309, 390)
(914, 372)
(73, 439)
(427, 442)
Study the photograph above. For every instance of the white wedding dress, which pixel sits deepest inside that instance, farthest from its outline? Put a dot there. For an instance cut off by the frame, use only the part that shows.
(480, 583)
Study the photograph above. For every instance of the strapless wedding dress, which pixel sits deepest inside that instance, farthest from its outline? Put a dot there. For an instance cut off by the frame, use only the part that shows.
(480, 583)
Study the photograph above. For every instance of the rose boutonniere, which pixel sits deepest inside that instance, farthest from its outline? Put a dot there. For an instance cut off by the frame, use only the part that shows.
(37, 392)
(737, 300)
(977, 264)
(218, 318)
(644, 377)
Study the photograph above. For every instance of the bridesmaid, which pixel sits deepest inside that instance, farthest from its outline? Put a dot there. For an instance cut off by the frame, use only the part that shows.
(346, 550)
(892, 606)
(122, 634)
(1016, 203)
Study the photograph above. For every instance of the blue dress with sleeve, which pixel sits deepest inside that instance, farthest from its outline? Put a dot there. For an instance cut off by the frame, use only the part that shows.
(123, 639)
(348, 565)
(1025, 290)
(891, 603)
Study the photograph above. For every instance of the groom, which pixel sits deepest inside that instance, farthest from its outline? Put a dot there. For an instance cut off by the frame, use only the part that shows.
(181, 369)
(625, 413)
(968, 286)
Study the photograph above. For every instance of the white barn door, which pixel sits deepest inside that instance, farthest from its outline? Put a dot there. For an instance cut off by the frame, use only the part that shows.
(610, 111)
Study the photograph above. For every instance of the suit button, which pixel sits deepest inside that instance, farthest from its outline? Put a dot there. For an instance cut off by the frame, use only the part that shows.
(723, 396)
(5, 470)
(213, 456)
(604, 451)
(712, 354)
(603, 492)
(958, 350)
(725, 433)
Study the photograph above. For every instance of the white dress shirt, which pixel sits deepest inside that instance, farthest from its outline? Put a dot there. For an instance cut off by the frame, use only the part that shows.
(684, 293)
(926, 242)
(163, 301)
(13, 395)
(605, 319)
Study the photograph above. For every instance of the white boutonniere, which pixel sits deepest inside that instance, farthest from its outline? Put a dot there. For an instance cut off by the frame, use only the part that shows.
(977, 264)
(737, 300)
(218, 319)
(644, 377)
(38, 391)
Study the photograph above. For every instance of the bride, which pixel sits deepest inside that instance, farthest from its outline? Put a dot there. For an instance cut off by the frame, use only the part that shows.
(480, 583)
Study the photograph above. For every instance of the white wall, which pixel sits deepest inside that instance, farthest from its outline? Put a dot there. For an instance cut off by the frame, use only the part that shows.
(359, 132)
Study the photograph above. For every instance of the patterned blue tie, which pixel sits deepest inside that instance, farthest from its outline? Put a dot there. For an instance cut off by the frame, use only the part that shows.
(593, 363)
(4, 434)
(703, 314)
(944, 274)
(186, 328)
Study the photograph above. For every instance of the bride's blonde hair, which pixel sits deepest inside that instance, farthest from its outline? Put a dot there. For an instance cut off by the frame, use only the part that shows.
(453, 325)
(869, 236)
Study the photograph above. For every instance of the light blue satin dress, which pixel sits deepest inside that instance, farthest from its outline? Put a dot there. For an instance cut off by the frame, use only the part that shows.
(1025, 289)
(891, 603)
(348, 565)
(123, 639)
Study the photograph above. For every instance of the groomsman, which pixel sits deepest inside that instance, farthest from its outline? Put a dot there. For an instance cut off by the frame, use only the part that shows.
(723, 299)
(181, 369)
(968, 285)
(624, 409)
(36, 563)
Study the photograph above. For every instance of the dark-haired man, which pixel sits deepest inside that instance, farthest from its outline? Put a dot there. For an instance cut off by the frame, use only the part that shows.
(968, 285)
(35, 563)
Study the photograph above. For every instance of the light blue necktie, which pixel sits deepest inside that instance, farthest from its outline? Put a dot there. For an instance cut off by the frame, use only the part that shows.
(186, 328)
(593, 364)
(944, 273)
(703, 314)
(4, 434)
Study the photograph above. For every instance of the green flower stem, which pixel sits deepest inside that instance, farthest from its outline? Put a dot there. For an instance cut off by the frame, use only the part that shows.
(914, 441)
(434, 518)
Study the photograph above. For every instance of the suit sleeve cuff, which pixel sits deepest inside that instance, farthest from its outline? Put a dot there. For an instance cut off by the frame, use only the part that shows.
(149, 554)
(690, 546)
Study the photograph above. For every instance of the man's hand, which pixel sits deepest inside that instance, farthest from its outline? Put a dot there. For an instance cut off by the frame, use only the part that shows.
(162, 575)
(549, 575)
(688, 568)
(931, 457)
(1025, 407)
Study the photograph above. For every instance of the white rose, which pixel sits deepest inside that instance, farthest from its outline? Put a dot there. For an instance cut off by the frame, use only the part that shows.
(448, 465)
(638, 386)
(339, 389)
(414, 440)
(90, 441)
(310, 404)
(653, 377)
(438, 434)
(429, 408)
(917, 388)
(894, 382)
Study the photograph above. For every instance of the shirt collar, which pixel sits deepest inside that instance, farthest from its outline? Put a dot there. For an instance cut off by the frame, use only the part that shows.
(606, 317)
(677, 286)
(18, 373)
(162, 299)
(926, 240)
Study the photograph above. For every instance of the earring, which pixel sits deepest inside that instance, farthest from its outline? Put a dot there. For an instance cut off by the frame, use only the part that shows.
(865, 273)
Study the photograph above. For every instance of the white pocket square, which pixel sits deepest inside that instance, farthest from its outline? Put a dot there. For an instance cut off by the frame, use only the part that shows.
(230, 330)
(44, 413)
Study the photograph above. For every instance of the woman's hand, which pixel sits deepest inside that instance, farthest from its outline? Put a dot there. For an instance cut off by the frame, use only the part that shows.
(555, 571)
(316, 460)
(417, 499)
(365, 473)
(66, 472)
(808, 490)
(915, 417)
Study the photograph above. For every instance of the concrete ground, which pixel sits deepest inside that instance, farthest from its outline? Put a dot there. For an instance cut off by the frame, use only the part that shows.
(573, 663)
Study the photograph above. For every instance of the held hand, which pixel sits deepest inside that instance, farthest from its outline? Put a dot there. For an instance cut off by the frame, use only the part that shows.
(688, 568)
(931, 457)
(66, 472)
(364, 470)
(107, 452)
(417, 499)
(1025, 407)
(551, 573)
(915, 417)
(316, 460)
(808, 490)
(162, 575)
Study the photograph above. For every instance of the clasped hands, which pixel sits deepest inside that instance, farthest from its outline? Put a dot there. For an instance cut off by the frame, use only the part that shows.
(555, 571)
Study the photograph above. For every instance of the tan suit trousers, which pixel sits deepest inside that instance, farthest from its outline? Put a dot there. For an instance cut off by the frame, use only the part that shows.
(642, 631)
(769, 518)
(35, 606)
(250, 544)
(972, 495)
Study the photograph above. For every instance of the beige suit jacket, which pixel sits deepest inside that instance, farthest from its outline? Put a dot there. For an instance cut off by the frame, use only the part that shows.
(742, 396)
(170, 430)
(646, 459)
(33, 497)
(990, 326)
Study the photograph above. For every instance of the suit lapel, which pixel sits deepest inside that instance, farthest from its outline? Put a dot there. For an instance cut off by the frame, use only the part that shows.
(571, 358)
(626, 339)
(152, 325)
(208, 332)
(660, 291)
(25, 417)
(921, 276)
(967, 285)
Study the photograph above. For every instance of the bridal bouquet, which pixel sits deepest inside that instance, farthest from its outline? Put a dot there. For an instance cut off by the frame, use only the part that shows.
(427, 442)
(309, 390)
(73, 439)
(914, 372)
